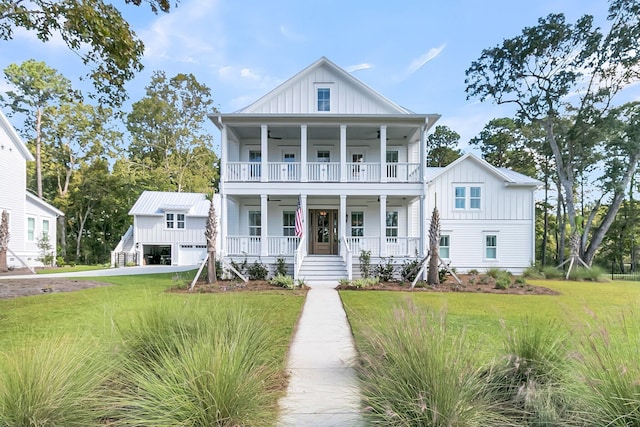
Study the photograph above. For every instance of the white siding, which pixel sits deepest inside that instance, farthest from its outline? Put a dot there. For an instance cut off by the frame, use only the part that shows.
(151, 230)
(13, 178)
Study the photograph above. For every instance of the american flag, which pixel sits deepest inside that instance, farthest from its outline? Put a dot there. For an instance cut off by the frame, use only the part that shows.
(299, 219)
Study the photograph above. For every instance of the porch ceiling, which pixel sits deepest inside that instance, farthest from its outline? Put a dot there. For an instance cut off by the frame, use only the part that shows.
(326, 132)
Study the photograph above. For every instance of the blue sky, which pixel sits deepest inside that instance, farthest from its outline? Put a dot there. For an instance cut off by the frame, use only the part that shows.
(413, 52)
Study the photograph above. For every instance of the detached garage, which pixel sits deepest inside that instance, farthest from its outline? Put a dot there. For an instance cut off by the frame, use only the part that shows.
(168, 228)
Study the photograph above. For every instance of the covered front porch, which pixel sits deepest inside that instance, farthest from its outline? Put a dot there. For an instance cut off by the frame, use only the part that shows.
(344, 225)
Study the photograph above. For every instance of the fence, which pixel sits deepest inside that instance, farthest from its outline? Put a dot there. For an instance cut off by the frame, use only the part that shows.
(624, 273)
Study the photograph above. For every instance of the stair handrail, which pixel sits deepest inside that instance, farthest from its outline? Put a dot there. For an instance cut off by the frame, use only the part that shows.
(347, 257)
(298, 257)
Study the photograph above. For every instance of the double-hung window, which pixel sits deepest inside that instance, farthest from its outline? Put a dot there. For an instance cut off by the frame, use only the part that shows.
(357, 224)
(392, 225)
(445, 246)
(324, 99)
(45, 229)
(174, 221)
(467, 197)
(255, 223)
(491, 246)
(460, 197)
(289, 223)
(31, 229)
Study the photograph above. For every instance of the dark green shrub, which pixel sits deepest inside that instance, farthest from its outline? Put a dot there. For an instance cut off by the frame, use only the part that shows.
(281, 267)
(503, 282)
(385, 270)
(551, 272)
(257, 271)
(365, 263)
(409, 269)
(283, 281)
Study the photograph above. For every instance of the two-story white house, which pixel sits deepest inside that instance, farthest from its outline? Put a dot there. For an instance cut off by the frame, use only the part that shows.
(31, 219)
(353, 162)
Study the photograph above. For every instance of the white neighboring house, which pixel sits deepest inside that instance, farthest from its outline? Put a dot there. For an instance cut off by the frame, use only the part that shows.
(354, 163)
(30, 218)
(168, 228)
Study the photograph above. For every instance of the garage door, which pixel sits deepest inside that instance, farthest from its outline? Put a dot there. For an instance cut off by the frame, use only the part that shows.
(191, 254)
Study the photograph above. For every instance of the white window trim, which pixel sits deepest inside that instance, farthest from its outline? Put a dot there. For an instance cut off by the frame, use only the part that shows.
(351, 227)
(324, 85)
(396, 227)
(485, 247)
(175, 221)
(447, 234)
(467, 196)
(35, 229)
(256, 227)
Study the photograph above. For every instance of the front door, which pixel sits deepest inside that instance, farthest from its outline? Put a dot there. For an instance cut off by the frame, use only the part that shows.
(324, 232)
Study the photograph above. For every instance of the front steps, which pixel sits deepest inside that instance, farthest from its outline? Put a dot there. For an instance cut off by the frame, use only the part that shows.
(322, 269)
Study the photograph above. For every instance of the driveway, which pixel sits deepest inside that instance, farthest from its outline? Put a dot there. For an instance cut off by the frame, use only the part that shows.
(123, 271)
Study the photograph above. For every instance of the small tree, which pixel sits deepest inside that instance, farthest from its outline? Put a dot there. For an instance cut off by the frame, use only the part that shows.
(4, 240)
(433, 278)
(46, 253)
(211, 233)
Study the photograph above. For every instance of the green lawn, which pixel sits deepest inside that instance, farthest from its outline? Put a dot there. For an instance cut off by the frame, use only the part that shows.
(70, 269)
(482, 314)
(96, 311)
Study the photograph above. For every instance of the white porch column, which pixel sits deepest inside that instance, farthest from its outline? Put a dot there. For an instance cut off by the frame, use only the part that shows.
(342, 221)
(224, 152)
(423, 153)
(343, 153)
(264, 215)
(383, 153)
(383, 226)
(423, 226)
(305, 223)
(264, 153)
(303, 153)
(224, 232)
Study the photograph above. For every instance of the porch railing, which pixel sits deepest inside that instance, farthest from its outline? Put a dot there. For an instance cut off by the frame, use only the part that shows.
(282, 245)
(395, 246)
(322, 172)
(252, 245)
(298, 258)
(347, 256)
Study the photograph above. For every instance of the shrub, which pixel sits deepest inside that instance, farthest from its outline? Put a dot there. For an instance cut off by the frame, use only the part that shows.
(494, 272)
(593, 274)
(365, 282)
(198, 366)
(365, 263)
(551, 272)
(385, 270)
(414, 372)
(257, 271)
(281, 267)
(503, 282)
(56, 383)
(443, 273)
(520, 281)
(283, 281)
(409, 269)
(533, 272)
(528, 383)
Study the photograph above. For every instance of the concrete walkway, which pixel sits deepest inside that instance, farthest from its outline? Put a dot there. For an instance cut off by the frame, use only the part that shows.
(123, 271)
(323, 389)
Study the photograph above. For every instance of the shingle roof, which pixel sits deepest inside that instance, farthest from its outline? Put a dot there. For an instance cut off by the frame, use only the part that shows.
(158, 202)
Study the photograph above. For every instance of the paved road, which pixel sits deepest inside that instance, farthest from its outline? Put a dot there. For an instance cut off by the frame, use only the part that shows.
(124, 271)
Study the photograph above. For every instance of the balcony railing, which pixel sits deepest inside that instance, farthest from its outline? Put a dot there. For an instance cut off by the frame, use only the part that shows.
(287, 245)
(323, 172)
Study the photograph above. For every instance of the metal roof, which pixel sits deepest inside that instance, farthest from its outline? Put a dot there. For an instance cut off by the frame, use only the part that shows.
(159, 202)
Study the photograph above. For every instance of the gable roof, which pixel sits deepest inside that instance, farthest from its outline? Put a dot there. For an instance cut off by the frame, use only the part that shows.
(510, 177)
(323, 62)
(35, 200)
(156, 203)
(15, 138)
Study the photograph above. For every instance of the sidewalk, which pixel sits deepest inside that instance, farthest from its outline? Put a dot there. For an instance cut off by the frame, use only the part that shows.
(323, 389)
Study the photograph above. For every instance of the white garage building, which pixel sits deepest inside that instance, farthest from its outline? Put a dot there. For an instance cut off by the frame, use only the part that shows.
(168, 228)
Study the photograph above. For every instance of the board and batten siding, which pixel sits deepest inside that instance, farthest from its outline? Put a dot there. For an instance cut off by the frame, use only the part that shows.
(498, 201)
(151, 230)
(13, 174)
(299, 96)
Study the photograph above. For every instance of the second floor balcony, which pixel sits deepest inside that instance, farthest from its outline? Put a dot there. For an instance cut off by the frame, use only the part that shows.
(322, 172)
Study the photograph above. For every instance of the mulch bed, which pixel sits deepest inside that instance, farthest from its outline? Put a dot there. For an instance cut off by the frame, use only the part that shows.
(236, 286)
(13, 288)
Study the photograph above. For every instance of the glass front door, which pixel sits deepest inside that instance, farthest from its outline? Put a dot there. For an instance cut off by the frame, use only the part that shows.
(324, 232)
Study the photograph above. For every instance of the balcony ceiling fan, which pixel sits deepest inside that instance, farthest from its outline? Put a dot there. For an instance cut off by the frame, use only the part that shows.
(272, 137)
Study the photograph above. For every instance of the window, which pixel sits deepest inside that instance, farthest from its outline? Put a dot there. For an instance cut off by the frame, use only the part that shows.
(180, 221)
(444, 246)
(357, 224)
(169, 220)
(289, 223)
(174, 220)
(474, 197)
(45, 229)
(324, 156)
(460, 197)
(491, 246)
(324, 99)
(255, 223)
(392, 224)
(31, 229)
(392, 170)
(256, 158)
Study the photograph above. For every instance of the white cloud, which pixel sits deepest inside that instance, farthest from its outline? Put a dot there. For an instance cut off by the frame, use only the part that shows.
(420, 62)
(247, 73)
(290, 34)
(358, 67)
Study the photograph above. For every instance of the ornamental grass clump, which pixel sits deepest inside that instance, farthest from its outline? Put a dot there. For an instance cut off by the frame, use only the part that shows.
(529, 383)
(57, 382)
(610, 371)
(201, 366)
(415, 372)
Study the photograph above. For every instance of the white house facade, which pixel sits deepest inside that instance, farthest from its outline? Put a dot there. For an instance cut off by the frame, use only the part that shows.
(31, 219)
(353, 162)
(168, 228)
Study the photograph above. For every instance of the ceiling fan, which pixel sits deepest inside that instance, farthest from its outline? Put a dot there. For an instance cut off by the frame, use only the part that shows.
(272, 137)
(376, 137)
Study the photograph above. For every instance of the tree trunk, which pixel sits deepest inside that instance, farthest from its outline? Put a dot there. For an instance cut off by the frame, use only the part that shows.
(39, 151)
(211, 233)
(4, 239)
(599, 233)
(62, 236)
(3, 260)
(433, 277)
(545, 228)
(211, 268)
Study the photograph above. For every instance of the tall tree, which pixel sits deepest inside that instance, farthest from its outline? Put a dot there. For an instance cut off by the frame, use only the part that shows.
(4, 239)
(441, 145)
(169, 138)
(93, 29)
(211, 233)
(36, 87)
(557, 69)
(433, 274)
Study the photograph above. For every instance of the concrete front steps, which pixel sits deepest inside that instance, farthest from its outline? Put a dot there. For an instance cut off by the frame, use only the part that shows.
(322, 269)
